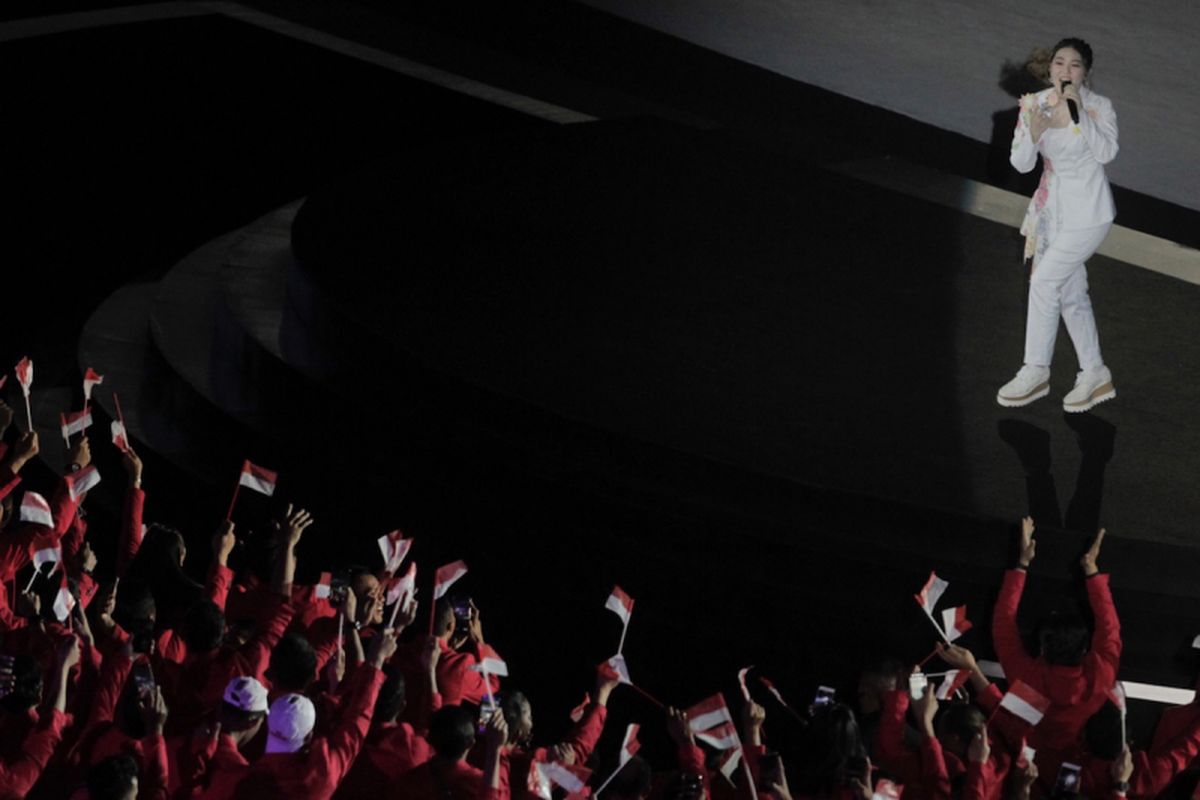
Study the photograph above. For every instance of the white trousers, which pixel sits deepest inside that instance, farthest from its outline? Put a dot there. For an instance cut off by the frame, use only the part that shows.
(1059, 287)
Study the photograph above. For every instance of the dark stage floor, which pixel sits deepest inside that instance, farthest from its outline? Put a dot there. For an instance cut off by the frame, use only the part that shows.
(653, 349)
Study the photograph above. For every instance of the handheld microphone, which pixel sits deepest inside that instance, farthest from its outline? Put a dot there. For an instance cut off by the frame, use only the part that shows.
(1074, 109)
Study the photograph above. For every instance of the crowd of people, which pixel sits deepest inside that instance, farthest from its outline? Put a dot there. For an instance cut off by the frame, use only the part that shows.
(250, 685)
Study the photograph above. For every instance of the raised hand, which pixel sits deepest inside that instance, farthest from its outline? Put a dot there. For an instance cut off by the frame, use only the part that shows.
(383, 646)
(677, 727)
(497, 731)
(957, 656)
(1028, 544)
(1122, 766)
(925, 707)
(154, 710)
(81, 453)
(223, 541)
(294, 525)
(24, 450)
(133, 467)
(980, 749)
(335, 670)
(1088, 561)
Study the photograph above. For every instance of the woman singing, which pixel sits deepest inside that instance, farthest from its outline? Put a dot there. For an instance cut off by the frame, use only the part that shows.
(1075, 130)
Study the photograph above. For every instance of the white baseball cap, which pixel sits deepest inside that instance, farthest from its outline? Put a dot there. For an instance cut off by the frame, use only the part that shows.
(246, 693)
(289, 722)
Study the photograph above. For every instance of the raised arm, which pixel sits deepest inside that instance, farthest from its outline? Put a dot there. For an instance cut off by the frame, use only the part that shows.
(25, 449)
(347, 738)
(1106, 639)
(581, 741)
(1023, 155)
(131, 515)
(220, 577)
(1005, 637)
(18, 776)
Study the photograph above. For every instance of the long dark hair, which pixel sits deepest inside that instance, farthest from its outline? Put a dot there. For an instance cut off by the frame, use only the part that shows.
(833, 752)
(156, 569)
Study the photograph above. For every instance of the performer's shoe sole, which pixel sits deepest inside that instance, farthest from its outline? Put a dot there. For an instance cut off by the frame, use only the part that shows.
(1101, 394)
(1038, 393)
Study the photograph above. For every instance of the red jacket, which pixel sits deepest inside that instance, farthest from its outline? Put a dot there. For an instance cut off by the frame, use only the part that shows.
(1152, 770)
(391, 750)
(24, 759)
(315, 772)
(1075, 693)
(515, 763)
(437, 780)
(195, 687)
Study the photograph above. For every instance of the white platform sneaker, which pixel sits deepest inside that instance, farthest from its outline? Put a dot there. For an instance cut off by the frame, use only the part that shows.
(1030, 384)
(1092, 387)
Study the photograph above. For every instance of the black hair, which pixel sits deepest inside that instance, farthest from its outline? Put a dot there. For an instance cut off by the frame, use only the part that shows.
(512, 705)
(451, 732)
(632, 781)
(443, 615)
(1079, 46)
(27, 685)
(293, 664)
(1063, 638)
(963, 721)
(832, 752)
(112, 778)
(390, 703)
(156, 569)
(203, 627)
(1103, 732)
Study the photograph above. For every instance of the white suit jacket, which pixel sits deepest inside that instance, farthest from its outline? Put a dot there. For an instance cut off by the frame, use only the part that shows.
(1074, 191)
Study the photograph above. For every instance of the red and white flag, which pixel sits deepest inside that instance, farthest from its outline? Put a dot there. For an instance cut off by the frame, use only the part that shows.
(1026, 702)
(955, 622)
(491, 666)
(402, 586)
(722, 737)
(64, 601)
(90, 379)
(630, 745)
(771, 688)
(119, 437)
(930, 593)
(445, 577)
(955, 679)
(79, 483)
(742, 681)
(578, 711)
(572, 778)
(729, 762)
(620, 604)
(394, 548)
(46, 554)
(618, 666)
(3, 380)
(73, 422)
(35, 509)
(324, 586)
(25, 374)
(708, 713)
(259, 479)
(886, 790)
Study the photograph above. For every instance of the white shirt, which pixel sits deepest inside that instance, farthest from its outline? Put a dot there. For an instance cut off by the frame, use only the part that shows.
(1074, 191)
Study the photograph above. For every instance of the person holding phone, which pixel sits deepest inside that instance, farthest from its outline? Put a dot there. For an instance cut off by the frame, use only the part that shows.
(1074, 129)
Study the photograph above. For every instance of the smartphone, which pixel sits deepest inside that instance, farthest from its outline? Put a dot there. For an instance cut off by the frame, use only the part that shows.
(824, 697)
(1067, 784)
(338, 588)
(486, 710)
(917, 683)
(143, 678)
